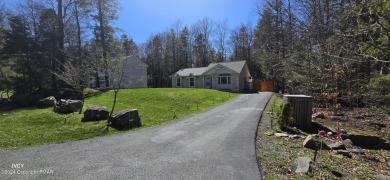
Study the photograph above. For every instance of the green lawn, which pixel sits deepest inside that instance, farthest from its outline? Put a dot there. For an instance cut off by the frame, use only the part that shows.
(30, 127)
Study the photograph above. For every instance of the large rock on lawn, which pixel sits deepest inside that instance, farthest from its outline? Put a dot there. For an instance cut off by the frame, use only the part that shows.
(311, 142)
(67, 106)
(126, 119)
(96, 113)
(47, 102)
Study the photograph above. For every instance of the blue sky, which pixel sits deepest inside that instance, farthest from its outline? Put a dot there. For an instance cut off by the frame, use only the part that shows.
(142, 18)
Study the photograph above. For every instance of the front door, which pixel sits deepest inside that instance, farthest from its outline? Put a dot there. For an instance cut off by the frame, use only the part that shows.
(209, 82)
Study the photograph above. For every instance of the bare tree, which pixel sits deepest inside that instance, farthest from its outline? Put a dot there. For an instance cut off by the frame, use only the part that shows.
(76, 76)
(117, 67)
(222, 33)
(202, 31)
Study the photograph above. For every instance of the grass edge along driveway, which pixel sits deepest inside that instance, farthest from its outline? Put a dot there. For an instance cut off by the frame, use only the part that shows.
(31, 127)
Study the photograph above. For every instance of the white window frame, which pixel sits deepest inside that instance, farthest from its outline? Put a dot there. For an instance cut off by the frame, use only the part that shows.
(228, 79)
(178, 81)
(189, 82)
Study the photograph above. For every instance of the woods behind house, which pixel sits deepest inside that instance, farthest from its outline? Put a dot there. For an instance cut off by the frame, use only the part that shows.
(336, 51)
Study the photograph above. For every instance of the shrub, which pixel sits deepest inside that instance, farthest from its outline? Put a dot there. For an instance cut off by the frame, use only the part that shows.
(378, 91)
(284, 116)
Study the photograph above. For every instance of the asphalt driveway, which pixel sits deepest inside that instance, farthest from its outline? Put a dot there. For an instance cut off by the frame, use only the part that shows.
(215, 144)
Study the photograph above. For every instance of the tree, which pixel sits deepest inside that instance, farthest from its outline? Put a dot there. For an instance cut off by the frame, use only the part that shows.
(222, 33)
(105, 13)
(129, 46)
(76, 76)
(20, 46)
(154, 50)
(202, 30)
(242, 42)
(184, 48)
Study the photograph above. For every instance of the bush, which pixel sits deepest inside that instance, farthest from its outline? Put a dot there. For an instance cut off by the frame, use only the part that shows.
(378, 91)
(88, 92)
(284, 116)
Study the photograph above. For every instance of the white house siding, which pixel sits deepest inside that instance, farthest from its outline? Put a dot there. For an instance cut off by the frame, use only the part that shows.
(199, 82)
(135, 75)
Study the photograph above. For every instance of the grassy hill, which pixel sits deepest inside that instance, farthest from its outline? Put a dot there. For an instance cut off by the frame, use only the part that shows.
(30, 127)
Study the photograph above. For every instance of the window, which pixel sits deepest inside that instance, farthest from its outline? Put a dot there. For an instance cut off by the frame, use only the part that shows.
(178, 82)
(225, 79)
(192, 82)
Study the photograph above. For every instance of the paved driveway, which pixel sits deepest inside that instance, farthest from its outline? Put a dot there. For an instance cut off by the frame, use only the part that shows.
(215, 144)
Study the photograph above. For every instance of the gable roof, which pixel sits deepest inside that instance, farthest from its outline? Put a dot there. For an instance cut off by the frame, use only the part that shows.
(235, 66)
(134, 61)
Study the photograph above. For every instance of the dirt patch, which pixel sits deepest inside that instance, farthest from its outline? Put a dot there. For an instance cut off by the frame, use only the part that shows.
(368, 131)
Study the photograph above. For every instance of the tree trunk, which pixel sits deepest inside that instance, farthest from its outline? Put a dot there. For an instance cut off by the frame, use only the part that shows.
(113, 107)
(78, 28)
(103, 41)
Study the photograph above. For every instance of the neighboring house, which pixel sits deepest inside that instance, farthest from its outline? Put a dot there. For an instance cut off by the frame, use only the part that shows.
(226, 76)
(135, 75)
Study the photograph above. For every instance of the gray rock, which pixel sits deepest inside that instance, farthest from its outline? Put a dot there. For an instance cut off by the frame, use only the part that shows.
(356, 151)
(67, 106)
(348, 141)
(312, 143)
(126, 119)
(337, 146)
(47, 102)
(301, 165)
(96, 113)
(344, 153)
(281, 135)
(320, 115)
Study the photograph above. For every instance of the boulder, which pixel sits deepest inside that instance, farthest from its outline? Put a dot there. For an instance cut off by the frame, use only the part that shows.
(126, 119)
(320, 115)
(96, 113)
(301, 165)
(344, 153)
(67, 106)
(356, 151)
(47, 102)
(312, 143)
(337, 146)
(348, 142)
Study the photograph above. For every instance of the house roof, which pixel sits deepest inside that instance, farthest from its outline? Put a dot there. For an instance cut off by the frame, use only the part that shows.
(235, 66)
(191, 71)
(134, 61)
